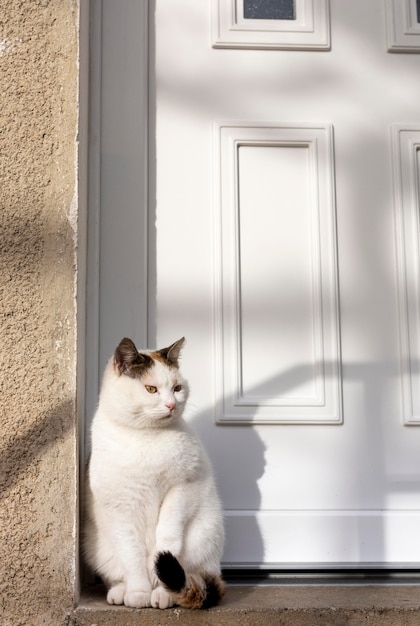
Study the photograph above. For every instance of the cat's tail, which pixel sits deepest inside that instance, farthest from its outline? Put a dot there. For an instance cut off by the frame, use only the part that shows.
(190, 591)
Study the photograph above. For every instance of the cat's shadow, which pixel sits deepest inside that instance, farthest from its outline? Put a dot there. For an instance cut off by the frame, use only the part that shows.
(238, 464)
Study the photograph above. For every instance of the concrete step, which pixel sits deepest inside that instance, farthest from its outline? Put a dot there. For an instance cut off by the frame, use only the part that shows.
(384, 604)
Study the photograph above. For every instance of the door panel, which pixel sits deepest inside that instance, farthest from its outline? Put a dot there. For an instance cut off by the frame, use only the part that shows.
(284, 244)
(248, 245)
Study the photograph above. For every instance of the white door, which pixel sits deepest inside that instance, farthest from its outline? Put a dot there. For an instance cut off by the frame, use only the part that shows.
(284, 244)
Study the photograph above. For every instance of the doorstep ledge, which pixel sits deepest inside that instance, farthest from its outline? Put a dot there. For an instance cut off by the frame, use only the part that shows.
(297, 605)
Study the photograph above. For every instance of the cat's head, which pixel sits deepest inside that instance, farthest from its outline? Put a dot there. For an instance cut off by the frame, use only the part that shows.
(151, 389)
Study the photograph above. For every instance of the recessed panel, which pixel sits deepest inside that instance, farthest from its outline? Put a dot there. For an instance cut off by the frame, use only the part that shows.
(277, 323)
(278, 317)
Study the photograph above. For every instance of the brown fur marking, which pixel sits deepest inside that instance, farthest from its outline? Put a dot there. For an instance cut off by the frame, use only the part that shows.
(195, 594)
(159, 357)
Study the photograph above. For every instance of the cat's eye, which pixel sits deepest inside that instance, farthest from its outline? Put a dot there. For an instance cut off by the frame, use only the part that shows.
(151, 388)
(177, 387)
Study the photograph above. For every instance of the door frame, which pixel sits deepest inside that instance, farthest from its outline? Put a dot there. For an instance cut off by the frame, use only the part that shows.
(118, 127)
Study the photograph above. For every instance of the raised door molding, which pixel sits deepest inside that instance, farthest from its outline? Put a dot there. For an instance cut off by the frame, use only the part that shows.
(406, 152)
(310, 30)
(276, 289)
(403, 26)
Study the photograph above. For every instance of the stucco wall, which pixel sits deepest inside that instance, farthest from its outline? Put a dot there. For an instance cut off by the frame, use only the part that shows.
(38, 236)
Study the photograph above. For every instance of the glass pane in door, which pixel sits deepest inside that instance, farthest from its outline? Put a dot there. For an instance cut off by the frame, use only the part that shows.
(269, 9)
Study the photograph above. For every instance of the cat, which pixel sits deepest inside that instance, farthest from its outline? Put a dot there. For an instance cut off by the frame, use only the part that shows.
(153, 530)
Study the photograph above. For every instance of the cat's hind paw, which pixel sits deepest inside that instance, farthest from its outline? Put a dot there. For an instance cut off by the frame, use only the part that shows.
(116, 594)
(161, 599)
(137, 599)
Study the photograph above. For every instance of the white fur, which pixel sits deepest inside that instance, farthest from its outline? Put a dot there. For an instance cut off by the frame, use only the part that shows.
(150, 488)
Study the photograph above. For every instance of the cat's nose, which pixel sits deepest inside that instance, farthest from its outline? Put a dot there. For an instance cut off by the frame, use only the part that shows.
(170, 404)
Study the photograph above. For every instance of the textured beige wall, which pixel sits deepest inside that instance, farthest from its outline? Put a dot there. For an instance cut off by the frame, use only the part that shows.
(38, 228)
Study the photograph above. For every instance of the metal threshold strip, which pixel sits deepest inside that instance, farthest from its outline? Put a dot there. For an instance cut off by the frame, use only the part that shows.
(372, 574)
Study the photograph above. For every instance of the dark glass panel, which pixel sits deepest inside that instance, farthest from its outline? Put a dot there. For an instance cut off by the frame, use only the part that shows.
(270, 9)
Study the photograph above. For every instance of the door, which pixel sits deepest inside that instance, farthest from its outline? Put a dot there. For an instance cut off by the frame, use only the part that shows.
(283, 242)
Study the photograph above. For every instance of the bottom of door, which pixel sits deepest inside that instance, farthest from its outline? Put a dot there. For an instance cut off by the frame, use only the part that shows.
(303, 540)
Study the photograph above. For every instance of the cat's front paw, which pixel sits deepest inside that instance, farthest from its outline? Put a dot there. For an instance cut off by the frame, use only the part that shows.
(116, 594)
(137, 599)
(161, 599)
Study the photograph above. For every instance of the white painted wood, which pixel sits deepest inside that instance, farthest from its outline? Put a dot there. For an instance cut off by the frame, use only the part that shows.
(310, 30)
(275, 217)
(369, 462)
(406, 148)
(117, 216)
(345, 538)
(352, 488)
(117, 264)
(403, 26)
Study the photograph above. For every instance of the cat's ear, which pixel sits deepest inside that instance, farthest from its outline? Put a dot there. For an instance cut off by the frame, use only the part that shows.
(171, 354)
(128, 360)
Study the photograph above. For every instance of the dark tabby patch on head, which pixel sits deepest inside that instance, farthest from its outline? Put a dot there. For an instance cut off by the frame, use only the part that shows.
(170, 355)
(129, 361)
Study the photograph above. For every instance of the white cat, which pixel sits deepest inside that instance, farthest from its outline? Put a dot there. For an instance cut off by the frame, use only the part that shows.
(154, 530)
